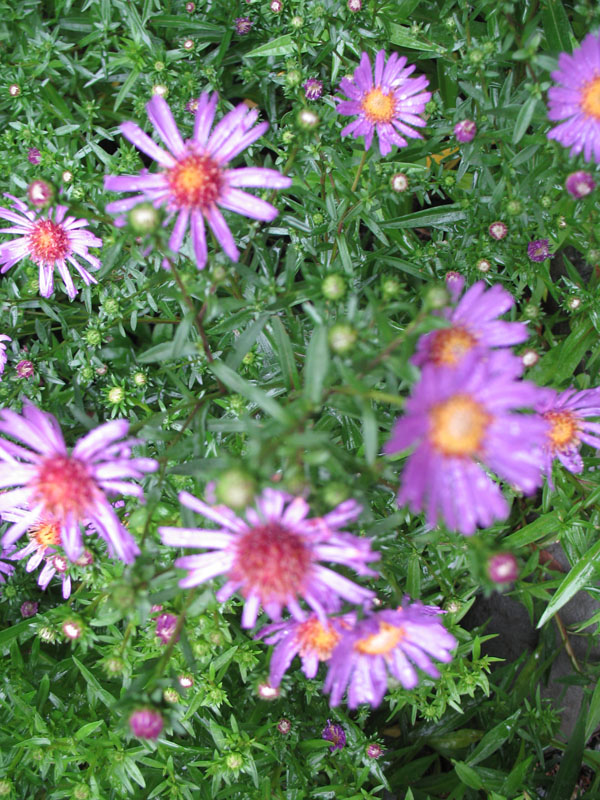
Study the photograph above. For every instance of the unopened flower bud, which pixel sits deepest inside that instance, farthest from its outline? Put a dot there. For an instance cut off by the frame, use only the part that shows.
(72, 628)
(579, 184)
(171, 695)
(25, 369)
(235, 488)
(146, 723)
(190, 7)
(267, 692)
(354, 5)
(465, 130)
(374, 751)
(503, 568)
(34, 156)
(276, 6)
(483, 265)
(40, 193)
(307, 119)
(498, 230)
(29, 609)
(67, 176)
(333, 287)
(529, 358)
(284, 726)
(160, 90)
(188, 44)
(574, 303)
(399, 182)
(14, 90)
(342, 338)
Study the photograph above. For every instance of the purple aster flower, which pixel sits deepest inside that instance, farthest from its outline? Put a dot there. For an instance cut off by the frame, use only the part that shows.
(503, 568)
(25, 369)
(313, 640)
(146, 723)
(566, 414)
(3, 357)
(70, 488)
(579, 184)
(465, 130)
(29, 609)
(474, 325)
(387, 641)
(576, 99)
(34, 156)
(374, 750)
(334, 733)
(272, 556)
(50, 240)
(313, 89)
(461, 422)
(388, 103)
(538, 250)
(6, 569)
(498, 230)
(165, 627)
(243, 25)
(194, 180)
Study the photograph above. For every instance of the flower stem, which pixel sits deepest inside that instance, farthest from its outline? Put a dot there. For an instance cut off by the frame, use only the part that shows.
(359, 171)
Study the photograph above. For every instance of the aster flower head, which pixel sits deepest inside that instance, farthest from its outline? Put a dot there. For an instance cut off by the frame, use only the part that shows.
(566, 414)
(243, 25)
(503, 568)
(34, 156)
(579, 184)
(498, 230)
(194, 180)
(538, 250)
(313, 89)
(3, 357)
(51, 240)
(42, 476)
(474, 326)
(146, 723)
(388, 102)
(465, 130)
(272, 556)
(385, 641)
(399, 182)
(463, 421)
(165, 627)
(44, 541)
(374, 750)
(334, 733)
(29, 609)
(313, 640)
(576, 100)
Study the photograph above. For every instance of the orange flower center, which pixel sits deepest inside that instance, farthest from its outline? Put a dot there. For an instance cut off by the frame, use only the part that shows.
(378, 106)
(46, 534)
(590, 98)
(64, 486)
(382, 642)
(271, 561)
(195, 182)
(48, 242)
(563, 429)
(449, 345)
(458, 426)
(313, 637)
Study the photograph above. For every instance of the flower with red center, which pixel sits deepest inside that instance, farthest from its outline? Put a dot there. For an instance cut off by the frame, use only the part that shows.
(165, 627)
(498, 230)
(313, 89)
(50, 241)
(34, 156)
(465, 130)
(576, 99)
(3, 357)
(334, 733)
(503, 568)
(538, 250)
(387, 641)
(474, 326)
(388, 102)
(146, 723)
(194, 180)
(243, 25)
(272, 557)
(567, 416)
(68, 487)
(579, 184)
(313, 640)
(462, 422)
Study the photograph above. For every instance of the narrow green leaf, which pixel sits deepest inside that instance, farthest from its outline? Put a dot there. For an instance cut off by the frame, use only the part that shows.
(126, 88)
(593, 717)
(403, 37)
(370, 439)
(317, 364)
(467, 775)
(413, 577)
(245, 341)
(493, 739)
(565, 781)
(433, 217)
(251, 392)
(536, 530)
(202, 30)
(92, 682)
(556, 26)
(282, 46)
(86, 729)
(523, 119)
(15, 630)
(560, 362)
(580, 575)
(285, 353)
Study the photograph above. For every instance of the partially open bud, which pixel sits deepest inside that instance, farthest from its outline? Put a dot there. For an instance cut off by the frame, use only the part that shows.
(144, 218)
(40, 193)
(503, 568)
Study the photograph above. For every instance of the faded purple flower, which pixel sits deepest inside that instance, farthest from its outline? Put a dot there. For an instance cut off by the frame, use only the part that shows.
(243, 25)
(503, 568)
(474, 326)
(465, 130)
(313, 89)
(50, 240)
(33, 155)
(334, 733)
(538, 250)
(579, 184)
(146, 723)
(312, 640)
(272, 556)
(165, 627)
(194, 180)
(389, 103)
(70, 488)
(387, 641)
(462, 423)
(25, 369)
(29, 609)
(576, 99)
(566, 414)
(498, 230)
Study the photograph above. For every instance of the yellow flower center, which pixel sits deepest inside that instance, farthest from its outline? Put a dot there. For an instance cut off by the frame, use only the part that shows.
(382, 642)
(458, 426)
(195, 182)
(450, 345)
(313, 637)
(563, 429)
(590, 98)
(46, 534)
(378, 106)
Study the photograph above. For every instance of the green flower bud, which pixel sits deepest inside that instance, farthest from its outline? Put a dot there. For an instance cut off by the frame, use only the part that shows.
(335, 493)
(333, 287)
(390, 287)
(234, 761)
(296, 22)
(342, 338)
(93, 337)
(171, 695)
(144, 218)
(235, 488)
(115, 395)
(436, 297)
(111, 306)
(293, 77)
(140, 379)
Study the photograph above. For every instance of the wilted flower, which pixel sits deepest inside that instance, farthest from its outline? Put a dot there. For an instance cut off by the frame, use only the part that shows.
(465, 130)
(576, 99)
(462, 422)
(50, 240)
(579, 184)
(313, 89)
(334, 733)
(354, 5)
(389, 103)
(272, 556)
(538, 250)
(243, 25)
(70, 488)
(29, 609)
(146, 723)
(387, 641)
(194, 180)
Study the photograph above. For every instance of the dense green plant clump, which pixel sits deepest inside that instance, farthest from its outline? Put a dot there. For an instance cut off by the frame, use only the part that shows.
(298, 388)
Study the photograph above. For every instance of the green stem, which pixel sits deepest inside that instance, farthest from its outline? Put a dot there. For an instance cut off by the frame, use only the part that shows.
(363, 161)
